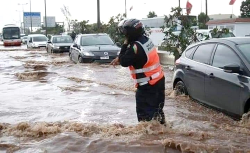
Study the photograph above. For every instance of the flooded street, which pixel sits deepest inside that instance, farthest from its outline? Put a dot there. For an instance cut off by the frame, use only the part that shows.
(49, 104)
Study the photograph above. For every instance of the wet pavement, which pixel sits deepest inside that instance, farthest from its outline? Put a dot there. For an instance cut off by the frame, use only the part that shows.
(49, 104)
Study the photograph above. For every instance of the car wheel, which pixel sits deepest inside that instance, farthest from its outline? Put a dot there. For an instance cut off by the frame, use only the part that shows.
(180, 88)
(80, 60)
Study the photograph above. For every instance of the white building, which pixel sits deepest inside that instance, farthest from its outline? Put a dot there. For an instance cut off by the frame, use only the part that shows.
(221, 16)
(239, 26)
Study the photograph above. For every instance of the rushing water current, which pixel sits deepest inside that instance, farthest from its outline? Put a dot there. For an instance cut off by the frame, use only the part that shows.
(51, 105)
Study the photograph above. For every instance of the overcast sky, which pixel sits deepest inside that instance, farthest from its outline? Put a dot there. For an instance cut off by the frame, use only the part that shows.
(11, 12)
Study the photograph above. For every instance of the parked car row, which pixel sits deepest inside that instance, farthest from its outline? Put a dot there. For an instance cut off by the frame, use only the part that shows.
(85, 47)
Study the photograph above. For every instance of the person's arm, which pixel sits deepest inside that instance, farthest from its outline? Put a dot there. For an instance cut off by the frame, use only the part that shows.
(127, 55)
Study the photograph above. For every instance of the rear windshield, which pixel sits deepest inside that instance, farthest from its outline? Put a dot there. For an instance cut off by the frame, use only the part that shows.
(245, 50)
(62, 39)
(39, 39)
(96, 40)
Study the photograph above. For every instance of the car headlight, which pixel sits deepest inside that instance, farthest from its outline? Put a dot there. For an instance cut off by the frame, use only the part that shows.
(118, 53)
(56, 47)
(88, 53)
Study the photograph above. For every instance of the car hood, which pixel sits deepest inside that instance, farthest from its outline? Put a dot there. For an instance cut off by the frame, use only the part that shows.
(97, 48)
(63, 44)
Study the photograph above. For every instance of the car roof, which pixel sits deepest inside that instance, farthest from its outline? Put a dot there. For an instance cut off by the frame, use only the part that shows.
(94, 34)
(235, 40)
(35, 35)
(61, 36)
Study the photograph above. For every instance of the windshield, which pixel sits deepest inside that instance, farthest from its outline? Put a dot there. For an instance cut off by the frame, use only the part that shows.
(11, 33)
(62, 39)
(245, 50)
(96, 40)
(39, 39)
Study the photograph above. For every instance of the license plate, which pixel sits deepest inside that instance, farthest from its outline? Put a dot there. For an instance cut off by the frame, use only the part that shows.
(105, 57)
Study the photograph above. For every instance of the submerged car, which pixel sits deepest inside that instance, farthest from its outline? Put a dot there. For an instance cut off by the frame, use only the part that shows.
(93, 47)
(216, 73)
(36, 41)
(59, 43)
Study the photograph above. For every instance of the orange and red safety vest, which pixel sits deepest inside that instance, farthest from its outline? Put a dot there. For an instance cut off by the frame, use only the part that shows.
(152, 69)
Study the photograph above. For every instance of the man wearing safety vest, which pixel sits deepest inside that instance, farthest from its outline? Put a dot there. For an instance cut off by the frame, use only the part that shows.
(140, 55)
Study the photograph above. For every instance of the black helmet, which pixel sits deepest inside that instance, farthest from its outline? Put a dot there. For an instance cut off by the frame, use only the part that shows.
(131, 28)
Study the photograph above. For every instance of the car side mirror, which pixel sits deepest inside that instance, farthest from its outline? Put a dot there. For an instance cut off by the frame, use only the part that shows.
(232, 69)
(118, 44)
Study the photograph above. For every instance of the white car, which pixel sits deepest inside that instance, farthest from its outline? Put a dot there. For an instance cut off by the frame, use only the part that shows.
(36, 41)
(207, 33)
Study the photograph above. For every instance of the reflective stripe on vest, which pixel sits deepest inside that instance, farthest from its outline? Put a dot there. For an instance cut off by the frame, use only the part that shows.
(136, 71)
(152, 69)
(146, 79)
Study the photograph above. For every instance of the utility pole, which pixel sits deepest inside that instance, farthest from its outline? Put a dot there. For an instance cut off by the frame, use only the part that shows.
(126, 8)
(179, 3)
(206, 13)
(23, 15)
(98, 15)
(45, 19)
(206, 8)
(30, 19)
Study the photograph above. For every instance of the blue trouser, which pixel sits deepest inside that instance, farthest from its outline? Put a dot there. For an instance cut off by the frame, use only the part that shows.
(149, 105)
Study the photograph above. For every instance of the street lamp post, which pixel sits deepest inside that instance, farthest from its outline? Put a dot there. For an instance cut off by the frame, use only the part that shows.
(179, 3)
(23, 14)
(98, 14)
(45, 18)
(30, 19)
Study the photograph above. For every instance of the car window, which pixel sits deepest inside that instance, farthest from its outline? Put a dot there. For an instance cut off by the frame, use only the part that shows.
(245, 49)
(189, 52)
(96, 40)
(225, 56)
(39, 38)
(226, 35)
(203, 53)
(62, 39)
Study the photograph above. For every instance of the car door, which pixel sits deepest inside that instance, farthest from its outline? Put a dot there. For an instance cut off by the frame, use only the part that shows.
(195, 71)
(223, 89)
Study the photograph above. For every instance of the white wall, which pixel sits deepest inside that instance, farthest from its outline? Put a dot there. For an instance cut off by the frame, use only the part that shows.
(239, 29)
(242, 29)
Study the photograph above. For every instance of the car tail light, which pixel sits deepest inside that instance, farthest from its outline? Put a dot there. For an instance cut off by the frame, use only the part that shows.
(178, 61)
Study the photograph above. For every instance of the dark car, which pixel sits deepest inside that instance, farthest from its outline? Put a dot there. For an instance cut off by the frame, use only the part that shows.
(93, 47)
(59, 44)
(217, 74)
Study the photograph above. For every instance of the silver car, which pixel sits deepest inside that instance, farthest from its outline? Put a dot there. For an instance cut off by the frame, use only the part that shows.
(59, 43)
(93, 47)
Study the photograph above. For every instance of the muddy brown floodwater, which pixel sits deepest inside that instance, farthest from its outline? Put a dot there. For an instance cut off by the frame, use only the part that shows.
(51, 105)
